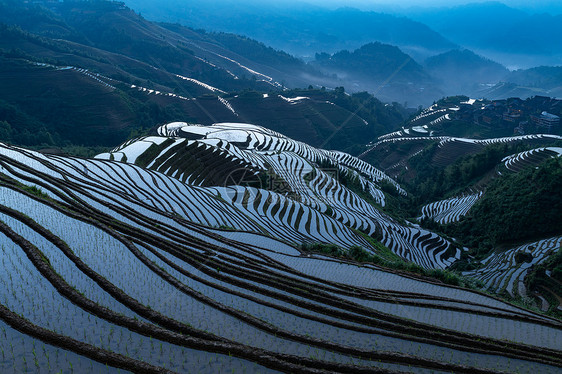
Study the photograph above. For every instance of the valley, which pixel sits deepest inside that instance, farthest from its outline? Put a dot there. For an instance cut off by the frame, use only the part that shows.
(183, 200)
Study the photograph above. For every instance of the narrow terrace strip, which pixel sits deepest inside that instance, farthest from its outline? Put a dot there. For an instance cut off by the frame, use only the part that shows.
(100, 355)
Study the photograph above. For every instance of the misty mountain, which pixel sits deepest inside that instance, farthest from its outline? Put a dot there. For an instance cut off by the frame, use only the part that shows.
(392, 74)
(380, 68)
(510, 36)
(546, 77)
(524, 83)
(464, 71)
(297, 28)
(123, 45)
(375, 61)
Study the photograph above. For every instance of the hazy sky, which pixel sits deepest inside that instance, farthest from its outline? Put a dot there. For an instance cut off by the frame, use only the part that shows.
(546, 6)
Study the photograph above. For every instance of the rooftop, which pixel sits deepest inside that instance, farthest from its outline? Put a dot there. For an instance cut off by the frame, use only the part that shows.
(549, 116)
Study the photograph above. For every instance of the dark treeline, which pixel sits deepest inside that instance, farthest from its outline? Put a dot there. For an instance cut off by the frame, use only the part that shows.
(515, 208)
(433, 183)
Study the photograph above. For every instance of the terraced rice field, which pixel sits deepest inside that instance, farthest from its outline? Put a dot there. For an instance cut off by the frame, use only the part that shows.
(107, 266)
(502, 272)
(450, 210)
(530, 158)
(103, 80)
(423, 125)
(292, 190)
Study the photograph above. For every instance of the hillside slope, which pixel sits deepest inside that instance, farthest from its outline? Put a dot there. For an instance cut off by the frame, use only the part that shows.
(498, 197)
(109, 71)
(107, 266)
(290, 183)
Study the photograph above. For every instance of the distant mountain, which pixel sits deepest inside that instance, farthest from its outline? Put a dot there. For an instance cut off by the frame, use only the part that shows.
(463, 71)
(513, 37)
(298, 28)
(524, 83)
(374, 61)
(380, 68)
(546, 77)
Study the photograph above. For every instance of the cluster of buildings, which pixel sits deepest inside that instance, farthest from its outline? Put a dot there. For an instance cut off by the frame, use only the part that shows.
(537, 114)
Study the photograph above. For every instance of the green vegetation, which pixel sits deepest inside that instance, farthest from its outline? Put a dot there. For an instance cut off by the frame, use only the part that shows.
(226, 227)
(516, 207)
(353, 182)
(399, 207)
(83, 151)
(452, 100)
(553, 264)
(150, 154)
(396, 205)
(355, 253)
(34, 190)
(433, 183)
(17, 127)
(327, 249)
(538, 281)
(63, 109)
(381, 258)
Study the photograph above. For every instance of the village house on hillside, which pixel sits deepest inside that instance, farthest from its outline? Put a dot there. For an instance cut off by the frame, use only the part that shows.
(536, 114)
(546, 121)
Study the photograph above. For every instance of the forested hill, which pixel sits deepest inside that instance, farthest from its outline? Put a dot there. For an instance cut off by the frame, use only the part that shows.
(109, 74)
(375, 61)
(517, 208)
(463, 71)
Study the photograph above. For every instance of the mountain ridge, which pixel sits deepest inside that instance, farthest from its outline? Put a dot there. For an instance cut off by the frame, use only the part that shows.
(325, 25)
